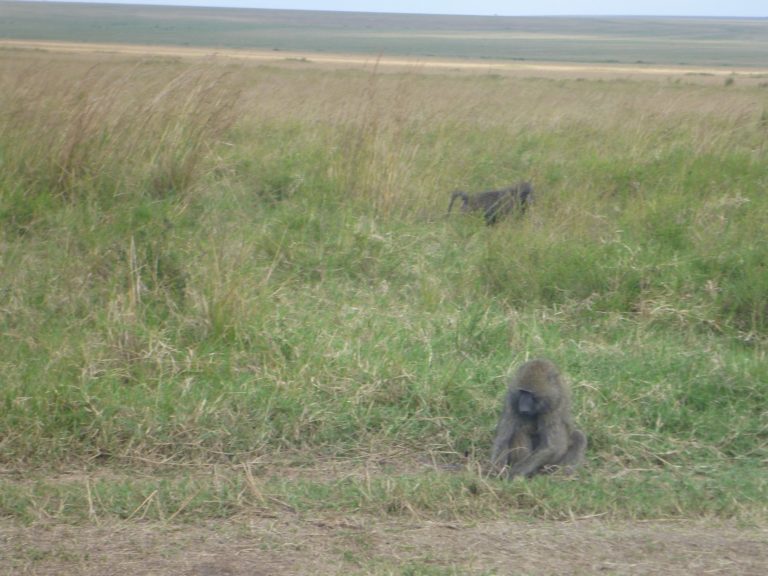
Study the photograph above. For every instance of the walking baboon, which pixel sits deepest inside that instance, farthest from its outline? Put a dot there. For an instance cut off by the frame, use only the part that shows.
(495, 204)
(536, 432)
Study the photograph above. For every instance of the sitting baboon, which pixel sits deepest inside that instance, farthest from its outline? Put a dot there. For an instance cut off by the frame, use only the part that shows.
(536, 432)
(495, 204)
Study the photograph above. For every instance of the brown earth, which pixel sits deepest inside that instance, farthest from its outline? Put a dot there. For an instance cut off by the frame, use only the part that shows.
(293, 544)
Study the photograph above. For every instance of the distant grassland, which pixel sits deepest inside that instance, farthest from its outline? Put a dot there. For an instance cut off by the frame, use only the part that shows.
(667, 41)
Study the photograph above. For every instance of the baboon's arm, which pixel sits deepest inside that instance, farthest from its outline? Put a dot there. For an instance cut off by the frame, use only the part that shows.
(464, 200)
(504, 433)
(553, 444)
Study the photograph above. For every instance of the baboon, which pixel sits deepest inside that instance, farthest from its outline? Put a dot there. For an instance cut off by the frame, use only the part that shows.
(536, 432)
(495, 204)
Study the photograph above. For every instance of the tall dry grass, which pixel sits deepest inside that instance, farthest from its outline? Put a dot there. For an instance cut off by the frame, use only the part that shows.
(106, 131)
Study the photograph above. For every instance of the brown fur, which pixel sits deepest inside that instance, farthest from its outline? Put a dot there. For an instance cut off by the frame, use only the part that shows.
(545, 438)
(495, 204)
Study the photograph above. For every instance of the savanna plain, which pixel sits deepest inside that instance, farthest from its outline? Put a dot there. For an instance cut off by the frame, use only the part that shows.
(239, 334)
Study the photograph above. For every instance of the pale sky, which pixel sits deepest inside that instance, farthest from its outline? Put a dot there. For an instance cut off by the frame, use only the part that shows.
(750, 8)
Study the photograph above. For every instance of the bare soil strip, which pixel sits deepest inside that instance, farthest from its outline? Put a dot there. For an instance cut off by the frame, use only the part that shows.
(295, 545)
(411, 63)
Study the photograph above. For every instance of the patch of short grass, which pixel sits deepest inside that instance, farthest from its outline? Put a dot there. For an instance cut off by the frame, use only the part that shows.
(659, 492)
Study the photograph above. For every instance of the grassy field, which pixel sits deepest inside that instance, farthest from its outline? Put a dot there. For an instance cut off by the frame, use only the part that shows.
(229, 290)
(659, 41)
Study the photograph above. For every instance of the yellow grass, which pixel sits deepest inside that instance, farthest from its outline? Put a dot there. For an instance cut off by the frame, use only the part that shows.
(699, 74)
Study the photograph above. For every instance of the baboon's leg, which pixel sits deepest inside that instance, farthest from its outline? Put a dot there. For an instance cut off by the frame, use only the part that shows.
(576, 450)
(493, 210)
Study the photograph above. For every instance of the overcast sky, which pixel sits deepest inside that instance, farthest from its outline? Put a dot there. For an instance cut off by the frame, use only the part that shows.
(508, 8)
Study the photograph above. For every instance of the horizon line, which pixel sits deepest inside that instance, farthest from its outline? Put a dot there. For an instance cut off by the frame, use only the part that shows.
(564, 15)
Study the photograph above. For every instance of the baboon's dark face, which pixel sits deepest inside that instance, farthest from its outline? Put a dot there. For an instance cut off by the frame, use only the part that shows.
(528, 405)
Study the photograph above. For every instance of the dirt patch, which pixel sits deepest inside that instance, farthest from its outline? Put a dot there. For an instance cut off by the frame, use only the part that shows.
(293, 544)
(410, 64)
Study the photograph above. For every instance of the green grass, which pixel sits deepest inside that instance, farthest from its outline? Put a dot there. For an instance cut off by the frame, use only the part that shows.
(629, 40)
(232, 287)
(705, 491)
